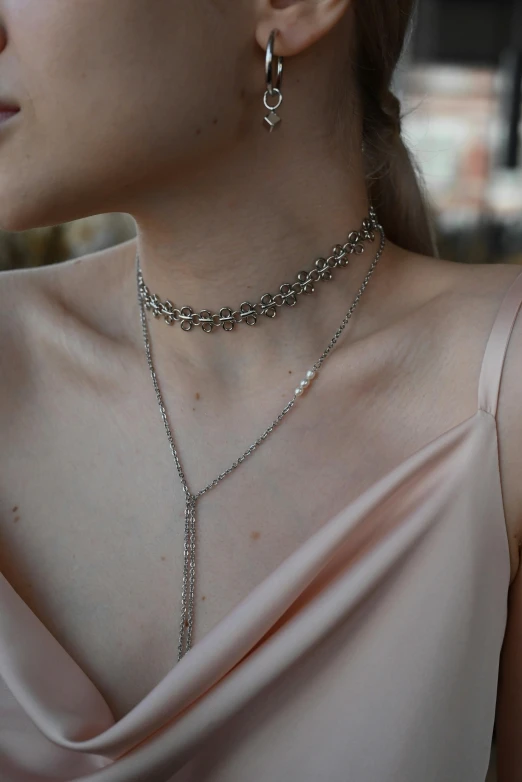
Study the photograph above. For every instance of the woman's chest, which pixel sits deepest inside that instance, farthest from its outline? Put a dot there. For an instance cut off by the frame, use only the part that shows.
(93, 511)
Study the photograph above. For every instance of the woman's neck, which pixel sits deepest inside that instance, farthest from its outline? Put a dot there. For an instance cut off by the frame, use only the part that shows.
(240, 229)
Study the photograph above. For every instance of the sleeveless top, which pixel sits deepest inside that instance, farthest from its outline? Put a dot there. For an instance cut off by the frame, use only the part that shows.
(370, 654)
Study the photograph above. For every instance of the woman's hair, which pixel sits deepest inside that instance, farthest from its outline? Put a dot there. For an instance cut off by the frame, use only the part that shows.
(394, 183)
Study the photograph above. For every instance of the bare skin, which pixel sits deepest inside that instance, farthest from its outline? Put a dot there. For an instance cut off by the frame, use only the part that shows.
(91, 508)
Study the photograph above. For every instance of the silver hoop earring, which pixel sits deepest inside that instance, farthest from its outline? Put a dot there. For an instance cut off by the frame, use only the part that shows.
(273, 96)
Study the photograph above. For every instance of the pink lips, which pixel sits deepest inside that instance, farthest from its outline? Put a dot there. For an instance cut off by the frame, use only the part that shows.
(7, 111)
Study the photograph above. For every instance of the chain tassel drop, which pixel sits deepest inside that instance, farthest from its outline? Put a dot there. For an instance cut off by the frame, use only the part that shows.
(189, 577)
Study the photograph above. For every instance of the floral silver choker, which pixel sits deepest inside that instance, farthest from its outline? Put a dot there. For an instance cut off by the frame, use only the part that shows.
(248, 313)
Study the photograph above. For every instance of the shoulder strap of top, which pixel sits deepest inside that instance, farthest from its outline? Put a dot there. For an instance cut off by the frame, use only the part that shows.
(496, 347)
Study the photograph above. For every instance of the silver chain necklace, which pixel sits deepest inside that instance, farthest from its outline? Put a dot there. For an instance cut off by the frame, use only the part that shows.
(267, 305)
(189, 549)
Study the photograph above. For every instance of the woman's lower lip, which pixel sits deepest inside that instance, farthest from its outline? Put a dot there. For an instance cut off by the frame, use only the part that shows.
(5, 115)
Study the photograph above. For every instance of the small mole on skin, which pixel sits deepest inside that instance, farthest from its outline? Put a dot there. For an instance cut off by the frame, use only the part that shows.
(215, 121)
(202, 597)
(254, 535)
(193, 408)
(17, 518)
(163, 558)
(197, 394)
(198, 132)
(15, 508)
(289, 371)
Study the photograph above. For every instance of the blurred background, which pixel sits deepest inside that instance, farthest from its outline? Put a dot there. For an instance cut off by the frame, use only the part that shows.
(460, 86)
(460, 83)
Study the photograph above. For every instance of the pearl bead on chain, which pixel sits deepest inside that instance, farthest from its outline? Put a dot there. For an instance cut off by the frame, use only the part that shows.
(303, 385)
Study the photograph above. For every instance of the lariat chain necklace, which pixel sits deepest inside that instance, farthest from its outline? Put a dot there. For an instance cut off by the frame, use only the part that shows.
(319, 272)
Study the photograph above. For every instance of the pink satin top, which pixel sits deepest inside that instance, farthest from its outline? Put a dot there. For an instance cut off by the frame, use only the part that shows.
(370, 654)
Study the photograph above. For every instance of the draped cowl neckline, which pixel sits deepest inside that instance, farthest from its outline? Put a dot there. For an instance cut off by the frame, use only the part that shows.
(382, 629)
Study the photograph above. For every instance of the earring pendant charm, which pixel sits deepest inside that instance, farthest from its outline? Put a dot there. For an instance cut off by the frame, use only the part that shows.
(272, 119)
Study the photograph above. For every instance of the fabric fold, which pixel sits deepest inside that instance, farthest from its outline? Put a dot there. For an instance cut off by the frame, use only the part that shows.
(319, 589)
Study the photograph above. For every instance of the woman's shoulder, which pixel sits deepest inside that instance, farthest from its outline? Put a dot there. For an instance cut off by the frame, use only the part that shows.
(47, 285)
(472, 300)
(34, 296)
(459, 280)
(456, 298)
(47, 316)
(24, 298)
(468, 302)
(445, 304)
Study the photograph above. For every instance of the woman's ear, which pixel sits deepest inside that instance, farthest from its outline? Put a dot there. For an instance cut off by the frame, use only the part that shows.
(300, 22)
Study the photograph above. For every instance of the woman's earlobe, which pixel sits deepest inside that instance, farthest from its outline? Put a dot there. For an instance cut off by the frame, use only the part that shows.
(300, 23)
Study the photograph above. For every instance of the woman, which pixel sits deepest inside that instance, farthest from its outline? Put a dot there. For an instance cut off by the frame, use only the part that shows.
(336, 608)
